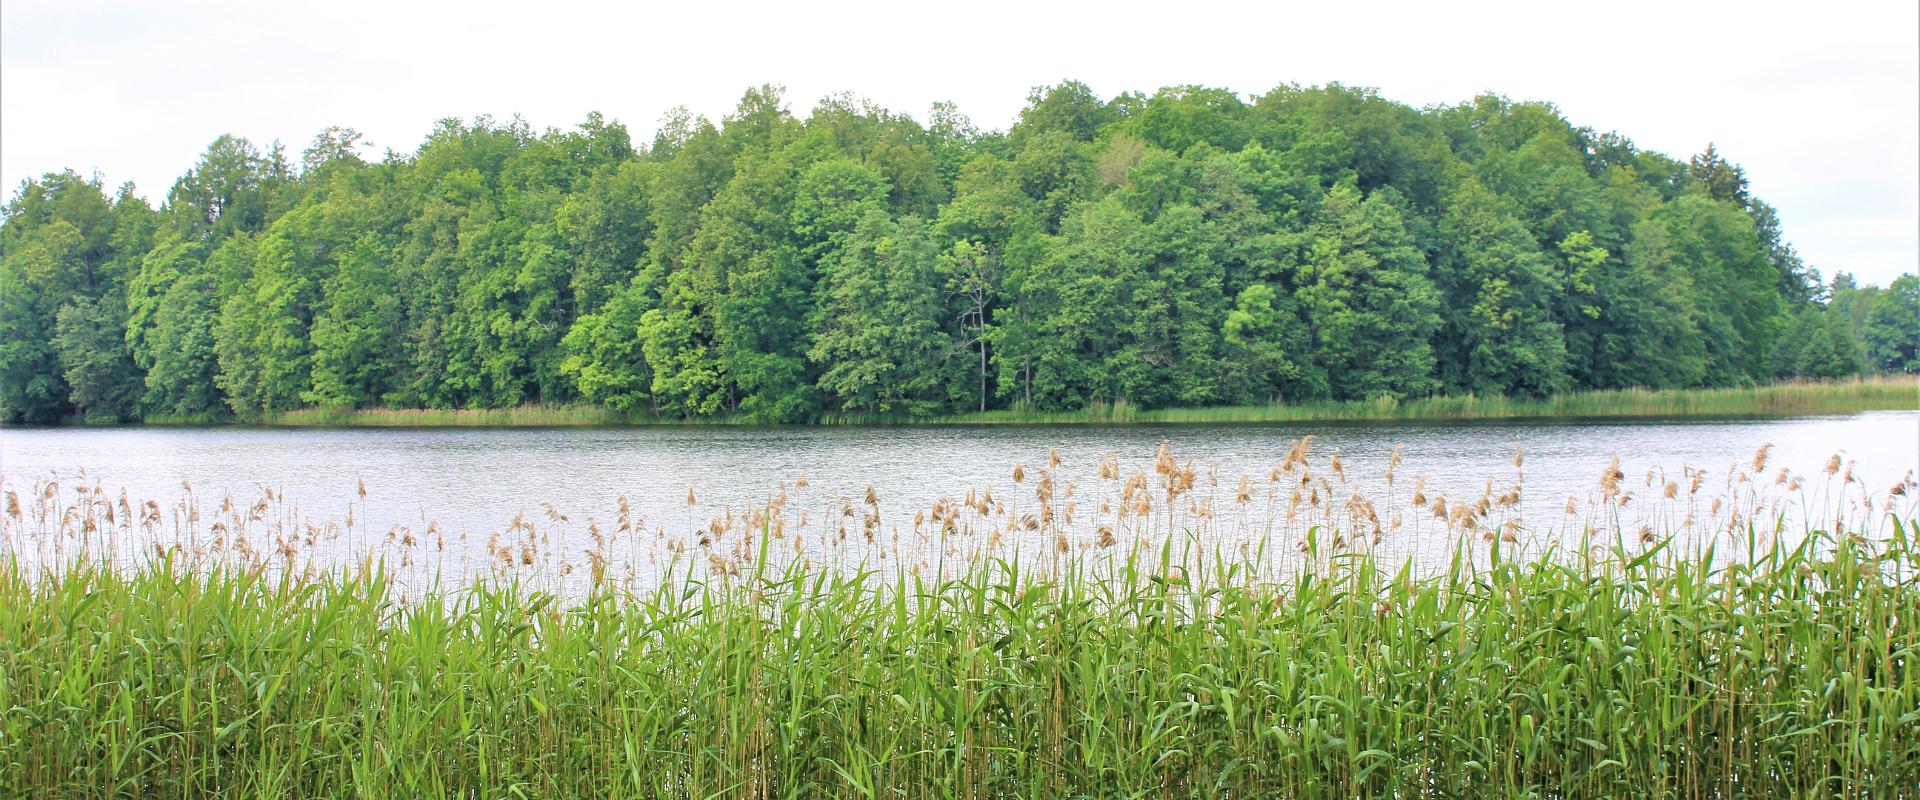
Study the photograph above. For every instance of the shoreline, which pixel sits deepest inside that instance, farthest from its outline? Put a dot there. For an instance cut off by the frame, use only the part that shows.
(1894, 393)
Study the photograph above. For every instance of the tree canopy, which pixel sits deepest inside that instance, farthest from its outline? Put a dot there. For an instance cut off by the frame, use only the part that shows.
(1189, 247)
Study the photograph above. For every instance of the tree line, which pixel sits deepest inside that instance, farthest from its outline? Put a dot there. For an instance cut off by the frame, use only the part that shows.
(1185, 248)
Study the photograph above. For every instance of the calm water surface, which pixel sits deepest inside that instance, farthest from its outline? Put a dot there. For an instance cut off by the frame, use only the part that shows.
(477, 480)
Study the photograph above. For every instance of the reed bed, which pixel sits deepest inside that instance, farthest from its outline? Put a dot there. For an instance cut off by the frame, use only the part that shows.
(1305, 509)
(1795, 674)
(1894, 392)
(518, 416)
(1033, 647)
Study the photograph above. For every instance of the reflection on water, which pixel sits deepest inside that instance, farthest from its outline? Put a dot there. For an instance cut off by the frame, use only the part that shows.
(564, 488)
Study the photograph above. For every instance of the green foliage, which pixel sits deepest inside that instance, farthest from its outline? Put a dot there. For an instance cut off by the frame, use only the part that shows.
(1369, 305)
(1649, 334)
(1610, 672)
(878, 343)
(1893, 326)
(1186, 248)
(262, 337)
(357, 330)
(605, 353)
(1268, 342)
(59, 255)
(1817, 345)
(756, 281)
(103, 384)
(604, 229)
(1172, 356)
(1067, 345)
(234, 189)
(183, 364)
(1737, 306)
(1499, 334)
(1070, 108)
(1180, 117)
(32, 387)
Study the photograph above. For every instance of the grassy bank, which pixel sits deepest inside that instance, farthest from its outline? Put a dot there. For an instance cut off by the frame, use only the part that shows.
(522, 416)
(1792, 673)
(1868, 394)
(1774, 400)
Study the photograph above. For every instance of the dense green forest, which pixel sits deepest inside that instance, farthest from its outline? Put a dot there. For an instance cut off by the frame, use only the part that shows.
(1186, 248)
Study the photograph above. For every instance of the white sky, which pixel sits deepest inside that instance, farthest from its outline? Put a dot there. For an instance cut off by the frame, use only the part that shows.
(1820, 102)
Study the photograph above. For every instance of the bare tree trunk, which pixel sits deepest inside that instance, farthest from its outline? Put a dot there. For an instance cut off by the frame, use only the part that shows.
(980, 313)
(983, 375)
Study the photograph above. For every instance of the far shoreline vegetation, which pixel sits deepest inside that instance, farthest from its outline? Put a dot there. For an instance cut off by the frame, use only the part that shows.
(1873, 393)
(1195, 251)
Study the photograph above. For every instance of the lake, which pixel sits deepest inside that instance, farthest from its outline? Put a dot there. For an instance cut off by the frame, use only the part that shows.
(560, 481)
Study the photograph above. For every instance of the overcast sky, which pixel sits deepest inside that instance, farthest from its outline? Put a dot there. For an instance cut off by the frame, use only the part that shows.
(1820, 102)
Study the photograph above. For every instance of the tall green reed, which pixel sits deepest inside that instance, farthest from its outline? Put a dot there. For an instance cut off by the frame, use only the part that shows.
(1606, 671)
